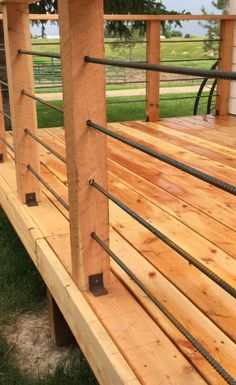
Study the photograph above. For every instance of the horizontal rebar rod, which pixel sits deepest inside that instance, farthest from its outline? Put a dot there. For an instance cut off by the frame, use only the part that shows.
(4, 83)
(48, 187)
(5, 114)
(42, 101)
(193, 261)
(164, 158)
(210, 74)
(45, 145)
(171, 317)
(188, 60)
(161, 99)
(42, 54)
(7, 144)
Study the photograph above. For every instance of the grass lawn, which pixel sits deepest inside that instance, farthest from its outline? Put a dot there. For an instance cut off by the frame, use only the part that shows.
(127, 108)
(169, 51)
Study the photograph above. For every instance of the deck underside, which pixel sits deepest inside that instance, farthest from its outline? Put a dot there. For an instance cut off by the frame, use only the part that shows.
(138, 343)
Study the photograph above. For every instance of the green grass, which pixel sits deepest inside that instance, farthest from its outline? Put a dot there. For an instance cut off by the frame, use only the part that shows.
(119, 109)
(23, 291)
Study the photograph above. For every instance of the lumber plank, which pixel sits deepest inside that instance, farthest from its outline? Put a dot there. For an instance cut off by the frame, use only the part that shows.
(143, 344)
(205, 294)
(23, 109)
(153, 78)
(200, 248)
(106, 360)
(225, 64)
(197, 128)
(220, 209)
(202, 163)
(84, 98)
(218, 234)
(130, 328)
(60, 331)
(212, 338)
(200, 146)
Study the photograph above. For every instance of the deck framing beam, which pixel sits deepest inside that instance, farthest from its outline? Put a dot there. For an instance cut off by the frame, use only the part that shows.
(81, 31)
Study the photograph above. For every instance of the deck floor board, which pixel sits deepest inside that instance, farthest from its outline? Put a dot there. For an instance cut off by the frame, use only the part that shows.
(197, 216)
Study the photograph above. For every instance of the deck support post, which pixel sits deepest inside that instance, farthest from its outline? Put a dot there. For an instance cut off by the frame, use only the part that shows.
(82, 33)
(3, 148)
(60, 331)
(23, 110)
(153, 78)
(225, 64)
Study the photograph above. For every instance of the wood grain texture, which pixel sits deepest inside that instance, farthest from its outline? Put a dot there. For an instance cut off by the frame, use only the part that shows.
(227, 29)
(153, 78)
(197, 216)
(134, 17)
(23, 110)
(81, 27)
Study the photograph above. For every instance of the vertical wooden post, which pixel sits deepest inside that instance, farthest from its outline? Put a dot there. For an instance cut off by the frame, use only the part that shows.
(60, 331)
(82, 33)
(3, 149)
(153, 78)
(23, 109)
(3, 77)
(225, 64)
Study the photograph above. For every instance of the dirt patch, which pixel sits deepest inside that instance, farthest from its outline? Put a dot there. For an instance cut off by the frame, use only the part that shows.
(31, 345)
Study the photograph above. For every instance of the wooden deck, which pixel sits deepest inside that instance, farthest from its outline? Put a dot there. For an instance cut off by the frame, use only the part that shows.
(123, 334)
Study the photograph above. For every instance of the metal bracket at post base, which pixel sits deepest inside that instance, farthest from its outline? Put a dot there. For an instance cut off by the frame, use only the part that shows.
(96, 285)
(31, 200)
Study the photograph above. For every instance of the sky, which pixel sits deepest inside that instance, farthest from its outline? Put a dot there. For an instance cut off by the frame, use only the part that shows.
(193, 6)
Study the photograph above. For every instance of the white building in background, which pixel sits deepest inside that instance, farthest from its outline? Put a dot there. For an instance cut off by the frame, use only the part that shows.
(232, 103)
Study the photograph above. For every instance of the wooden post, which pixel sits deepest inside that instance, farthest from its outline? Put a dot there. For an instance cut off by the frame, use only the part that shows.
(3, 149)
(23, 109)
(3, 77)
(60, 331)
(81, 30)
(225, 64)
(153, 78)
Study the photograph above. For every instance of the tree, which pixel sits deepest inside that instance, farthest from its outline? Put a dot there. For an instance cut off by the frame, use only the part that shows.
(114, 28)
(213, 27)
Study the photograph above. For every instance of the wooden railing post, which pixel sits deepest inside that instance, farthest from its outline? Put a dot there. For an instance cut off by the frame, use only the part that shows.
(3, 149)
(23, 110)
(81, 30)
(225, 64)
(153, 78)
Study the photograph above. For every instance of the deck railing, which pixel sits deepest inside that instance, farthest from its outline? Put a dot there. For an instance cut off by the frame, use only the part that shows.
(83, 76)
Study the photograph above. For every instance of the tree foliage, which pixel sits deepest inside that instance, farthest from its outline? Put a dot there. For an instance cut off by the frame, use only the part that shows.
(213, 27)
(113, 28)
